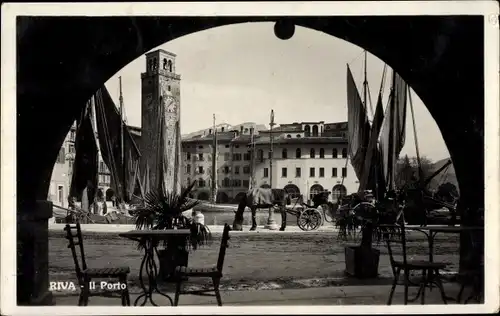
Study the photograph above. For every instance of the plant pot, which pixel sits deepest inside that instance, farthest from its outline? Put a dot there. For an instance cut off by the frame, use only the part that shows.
(170, 258)
(362, 262)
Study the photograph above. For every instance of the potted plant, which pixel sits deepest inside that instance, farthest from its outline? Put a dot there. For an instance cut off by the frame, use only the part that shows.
(362, 261)
(164, 210)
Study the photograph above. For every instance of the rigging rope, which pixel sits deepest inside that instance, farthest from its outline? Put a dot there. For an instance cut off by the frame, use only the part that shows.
(420, 171)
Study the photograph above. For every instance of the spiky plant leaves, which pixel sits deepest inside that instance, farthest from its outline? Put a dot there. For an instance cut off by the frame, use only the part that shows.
(164, 210)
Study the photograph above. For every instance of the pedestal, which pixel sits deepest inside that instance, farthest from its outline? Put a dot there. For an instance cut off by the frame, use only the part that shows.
(33, 254)
(271, 223)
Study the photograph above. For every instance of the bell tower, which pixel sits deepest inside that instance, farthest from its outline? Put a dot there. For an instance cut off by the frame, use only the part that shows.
(160, 137)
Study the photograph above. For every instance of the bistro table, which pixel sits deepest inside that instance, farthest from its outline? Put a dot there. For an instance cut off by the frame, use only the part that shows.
(151, 239)
(431, 231)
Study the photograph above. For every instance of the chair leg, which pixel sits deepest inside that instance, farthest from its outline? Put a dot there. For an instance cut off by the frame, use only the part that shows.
(84, 295)
(178, 291)
(423, 285)
(406, 284)
(394, 283)
(216, 289)
(437, 279)
(125, 294)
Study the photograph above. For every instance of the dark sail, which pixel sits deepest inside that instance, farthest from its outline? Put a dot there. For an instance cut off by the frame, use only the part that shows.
(373, 180)
(358, 126)
(109, 129)
(85, 164)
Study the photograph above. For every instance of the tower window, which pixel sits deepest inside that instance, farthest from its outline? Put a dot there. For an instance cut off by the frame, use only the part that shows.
(155, 64)
(165, 63)
(169, 88)
(170, 65)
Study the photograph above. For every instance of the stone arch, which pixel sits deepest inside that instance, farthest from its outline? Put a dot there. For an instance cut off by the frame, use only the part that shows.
(435, 80)
(109, 194)
(315, 189)
(338, 191)
(169, 65)
(292, 190)
(239, 196)
(307, 131)
(222, 197)
(204, 196)
(315, 132)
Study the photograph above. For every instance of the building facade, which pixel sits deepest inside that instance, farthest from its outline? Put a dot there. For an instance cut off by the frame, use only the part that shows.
(308, 158)
(60, 181)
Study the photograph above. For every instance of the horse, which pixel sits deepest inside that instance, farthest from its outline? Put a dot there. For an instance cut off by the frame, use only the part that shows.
(258, 198)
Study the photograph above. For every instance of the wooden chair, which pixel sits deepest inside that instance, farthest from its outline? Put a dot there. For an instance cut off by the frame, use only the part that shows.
(395, 234)
(214, 272)
(85, 274)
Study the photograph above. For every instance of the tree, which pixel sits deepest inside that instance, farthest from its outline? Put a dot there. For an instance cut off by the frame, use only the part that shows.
(407, 169)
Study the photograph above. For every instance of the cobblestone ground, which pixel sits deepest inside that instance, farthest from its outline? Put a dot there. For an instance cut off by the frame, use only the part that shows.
(256, 261)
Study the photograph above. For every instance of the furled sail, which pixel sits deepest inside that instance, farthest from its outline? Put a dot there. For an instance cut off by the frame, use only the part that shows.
(110, 126)
(85, 164)
(394, 129)
(372, 179)
(358, 127)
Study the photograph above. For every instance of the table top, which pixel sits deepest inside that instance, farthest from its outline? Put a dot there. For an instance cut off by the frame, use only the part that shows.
(157, 234)
(444, 229)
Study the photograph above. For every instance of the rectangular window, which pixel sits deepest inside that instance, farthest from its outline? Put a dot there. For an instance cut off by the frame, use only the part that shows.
(344, 152)
(246, 156)
(236, 169)
(311, 172)
(297, 173)
(344, 172)
(266, 172)
(246, 169)
(200, 156)
(246, 183)
(200, 170)
(71, 148)
(335, 153)
(188, 156)
(227, 156)
(283, 172)
(321, 172)
(226, 169)
(188, 168)
(334, 172)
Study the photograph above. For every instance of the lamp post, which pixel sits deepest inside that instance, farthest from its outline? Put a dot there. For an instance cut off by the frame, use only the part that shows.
(271, 223)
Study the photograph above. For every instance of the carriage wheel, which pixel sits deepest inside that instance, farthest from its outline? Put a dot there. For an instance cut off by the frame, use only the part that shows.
(327, 212)
(309, 219)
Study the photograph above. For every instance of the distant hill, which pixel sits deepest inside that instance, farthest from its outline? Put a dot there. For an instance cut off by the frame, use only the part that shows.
(447, 175)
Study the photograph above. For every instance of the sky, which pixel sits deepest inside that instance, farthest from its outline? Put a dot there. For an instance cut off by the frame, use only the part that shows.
(240, 72)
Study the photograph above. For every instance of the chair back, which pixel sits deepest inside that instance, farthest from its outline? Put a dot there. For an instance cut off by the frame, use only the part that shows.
(223, 246)
(73, 231)
(394, 235)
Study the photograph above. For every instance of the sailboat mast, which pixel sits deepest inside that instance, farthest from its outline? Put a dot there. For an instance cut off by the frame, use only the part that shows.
(122, 154)
(214, 164)
(365, 84)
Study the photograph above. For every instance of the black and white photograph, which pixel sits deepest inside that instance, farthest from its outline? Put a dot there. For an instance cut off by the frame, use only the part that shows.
(250, 157)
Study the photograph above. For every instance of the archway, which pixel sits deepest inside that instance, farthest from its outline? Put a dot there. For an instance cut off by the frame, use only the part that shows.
(222, 197)
(239, 196)
(292, 190)
(315, 189)
(203, 195)
(109, 194)
(436, 73)
(338, 191)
